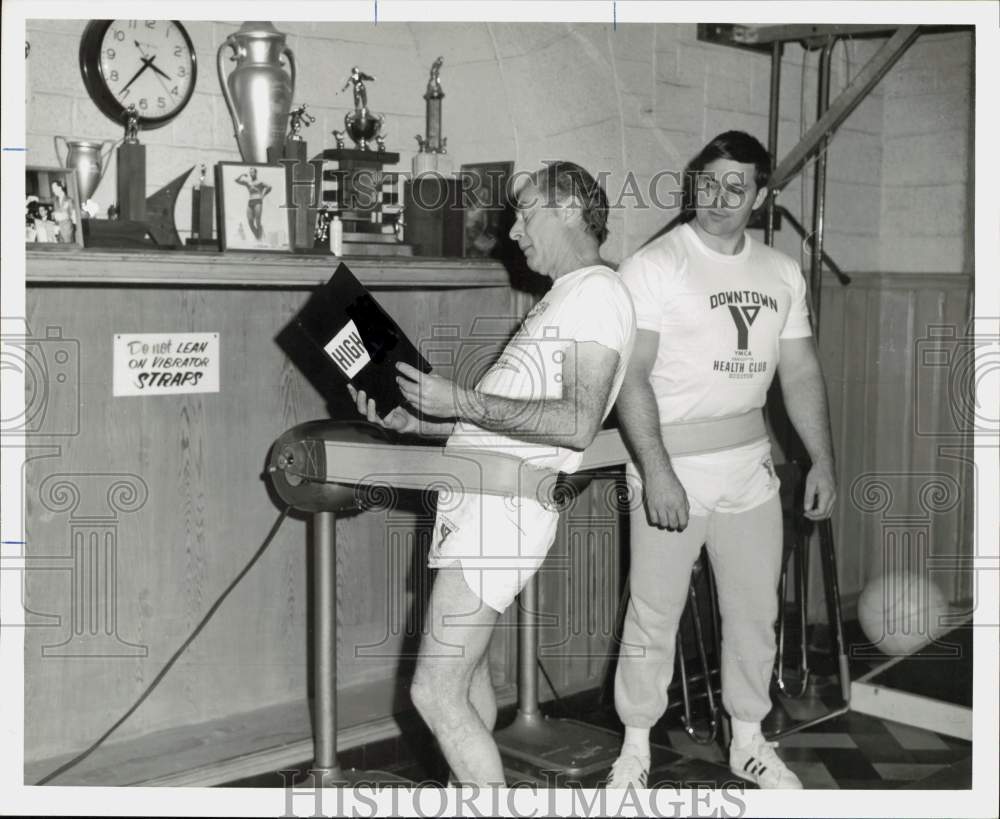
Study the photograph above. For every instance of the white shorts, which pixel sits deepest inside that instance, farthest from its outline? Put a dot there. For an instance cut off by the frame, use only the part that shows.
(732, 480)
(500, 542)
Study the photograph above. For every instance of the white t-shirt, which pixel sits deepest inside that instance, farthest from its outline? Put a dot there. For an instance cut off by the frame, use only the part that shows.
(589, 304)
(719, 318)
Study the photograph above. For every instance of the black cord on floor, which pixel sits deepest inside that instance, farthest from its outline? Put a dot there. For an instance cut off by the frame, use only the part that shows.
(176, 656)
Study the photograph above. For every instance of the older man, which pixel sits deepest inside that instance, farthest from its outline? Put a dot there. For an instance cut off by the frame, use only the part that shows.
(719, 315)
(543, 400)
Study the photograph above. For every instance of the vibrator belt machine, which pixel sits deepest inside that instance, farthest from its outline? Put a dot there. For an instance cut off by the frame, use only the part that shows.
(328, 468)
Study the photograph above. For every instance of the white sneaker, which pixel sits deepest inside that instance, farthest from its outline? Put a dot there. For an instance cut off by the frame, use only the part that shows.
(758, 763)
(628, 769)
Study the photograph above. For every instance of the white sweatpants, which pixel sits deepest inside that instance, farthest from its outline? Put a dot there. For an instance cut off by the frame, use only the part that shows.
(736, 513)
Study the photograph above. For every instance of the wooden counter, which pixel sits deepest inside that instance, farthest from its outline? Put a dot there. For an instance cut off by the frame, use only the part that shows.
(262, 270)
(143, 510)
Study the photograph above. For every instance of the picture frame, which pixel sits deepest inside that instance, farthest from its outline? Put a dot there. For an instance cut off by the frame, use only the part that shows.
(487, 212)
(52, 219)
(249, 199)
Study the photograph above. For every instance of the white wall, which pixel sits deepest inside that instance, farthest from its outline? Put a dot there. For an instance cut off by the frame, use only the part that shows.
(926, 223)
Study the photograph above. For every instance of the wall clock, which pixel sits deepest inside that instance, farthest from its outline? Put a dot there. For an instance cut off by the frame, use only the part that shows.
(148, 63)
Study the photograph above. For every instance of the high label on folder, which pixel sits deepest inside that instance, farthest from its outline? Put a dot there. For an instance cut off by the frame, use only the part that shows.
(348, 351)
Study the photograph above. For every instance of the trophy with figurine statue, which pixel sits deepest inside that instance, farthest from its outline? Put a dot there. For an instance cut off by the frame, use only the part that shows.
(356, 186)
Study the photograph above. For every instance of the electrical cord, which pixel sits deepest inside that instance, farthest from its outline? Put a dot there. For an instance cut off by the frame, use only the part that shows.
(176, 655)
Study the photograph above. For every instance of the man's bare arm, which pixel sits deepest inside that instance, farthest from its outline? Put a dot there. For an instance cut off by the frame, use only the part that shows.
(636, 407)
(665, 499)
(571, 420)
(804, 394)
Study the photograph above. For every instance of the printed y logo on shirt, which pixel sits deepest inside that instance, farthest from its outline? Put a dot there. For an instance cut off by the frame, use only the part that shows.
(743, 317)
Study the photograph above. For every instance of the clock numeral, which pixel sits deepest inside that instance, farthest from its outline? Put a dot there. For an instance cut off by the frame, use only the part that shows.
(182, 71)
(113, 76)
(178, 51)
(174, 91)
(151, 24)
(119, 34)
(109, 53)
(161, 103)
(125, 92)
(133, 23)
(143, 104)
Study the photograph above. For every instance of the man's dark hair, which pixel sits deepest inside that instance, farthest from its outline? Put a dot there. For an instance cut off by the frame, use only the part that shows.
(739, 146)
(560, 180)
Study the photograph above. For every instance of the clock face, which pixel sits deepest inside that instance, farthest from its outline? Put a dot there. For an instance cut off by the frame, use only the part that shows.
(146, 63)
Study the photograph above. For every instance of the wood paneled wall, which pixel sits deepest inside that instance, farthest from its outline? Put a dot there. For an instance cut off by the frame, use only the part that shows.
(897, 365)
(144, 517)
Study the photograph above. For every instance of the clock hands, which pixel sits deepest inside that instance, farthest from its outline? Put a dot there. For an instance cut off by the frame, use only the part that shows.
(157, 69)
(147, 62)
(135, 76)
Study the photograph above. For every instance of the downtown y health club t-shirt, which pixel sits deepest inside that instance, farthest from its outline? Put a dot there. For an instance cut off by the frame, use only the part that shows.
(719, 317)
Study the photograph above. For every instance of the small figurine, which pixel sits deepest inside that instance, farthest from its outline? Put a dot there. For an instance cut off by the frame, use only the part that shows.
(380, 141)
(357, 79)
(434, 83)
(298, 117)
(421, 143)
(339, 137)
(131, 117)
(201, 178)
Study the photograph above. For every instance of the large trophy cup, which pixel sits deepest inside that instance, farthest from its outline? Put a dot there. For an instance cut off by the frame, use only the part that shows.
(88, 160)
(258, 92)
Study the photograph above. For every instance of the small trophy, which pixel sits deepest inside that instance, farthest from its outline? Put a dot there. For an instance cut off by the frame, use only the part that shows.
(303, 179)
(202, 212)
(132, 170)
(297, 118)
(294, 146)
(432, 146)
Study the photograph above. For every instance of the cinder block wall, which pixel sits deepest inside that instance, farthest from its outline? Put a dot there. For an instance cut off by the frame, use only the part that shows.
(926, 215)
(642, 98)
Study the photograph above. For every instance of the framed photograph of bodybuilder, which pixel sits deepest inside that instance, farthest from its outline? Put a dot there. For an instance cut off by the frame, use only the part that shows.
(250, 196)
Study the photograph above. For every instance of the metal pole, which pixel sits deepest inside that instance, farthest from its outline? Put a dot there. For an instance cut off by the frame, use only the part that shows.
(819, 187)
(527, 647)
(324, 545)
(829, 557)
(772, 133)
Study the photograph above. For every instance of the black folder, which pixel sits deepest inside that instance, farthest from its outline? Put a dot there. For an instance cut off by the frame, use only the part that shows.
(357, 339)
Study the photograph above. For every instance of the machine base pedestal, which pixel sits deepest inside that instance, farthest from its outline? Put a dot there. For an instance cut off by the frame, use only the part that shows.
(339, 778)
(557, 750)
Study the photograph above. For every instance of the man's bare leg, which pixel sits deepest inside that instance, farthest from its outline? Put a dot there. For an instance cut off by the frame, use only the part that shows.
(459, 627)
(482, 696)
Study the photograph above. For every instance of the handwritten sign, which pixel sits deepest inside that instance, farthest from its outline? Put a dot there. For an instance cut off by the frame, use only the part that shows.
(165, 363)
